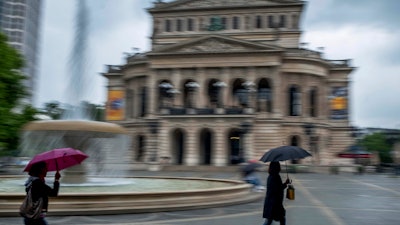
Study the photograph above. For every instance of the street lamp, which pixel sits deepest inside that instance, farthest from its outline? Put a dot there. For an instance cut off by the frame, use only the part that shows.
(192, 86)
(172, 92)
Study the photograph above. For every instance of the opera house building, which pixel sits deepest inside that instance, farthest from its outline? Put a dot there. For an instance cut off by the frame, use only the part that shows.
(226, 80)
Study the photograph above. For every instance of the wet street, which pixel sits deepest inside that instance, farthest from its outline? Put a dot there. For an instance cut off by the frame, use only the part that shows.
(321, 199)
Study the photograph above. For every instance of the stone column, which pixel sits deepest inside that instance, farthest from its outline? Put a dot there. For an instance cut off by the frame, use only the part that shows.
(226, 98)
(249, 153)
(201, 94)
(191, 156)
(244, 150)
(279, 93)
(219, 154)
(151, 93)
(177, 82)
(164, 145)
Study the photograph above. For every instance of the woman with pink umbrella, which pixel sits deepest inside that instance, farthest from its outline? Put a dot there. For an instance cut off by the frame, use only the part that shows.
(34, 207)
(39, 192)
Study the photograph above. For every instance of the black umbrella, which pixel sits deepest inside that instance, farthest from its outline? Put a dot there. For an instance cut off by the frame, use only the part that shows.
(284, 153)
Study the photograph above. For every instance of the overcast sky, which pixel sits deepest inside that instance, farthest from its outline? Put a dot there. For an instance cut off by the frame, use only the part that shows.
(367, 31)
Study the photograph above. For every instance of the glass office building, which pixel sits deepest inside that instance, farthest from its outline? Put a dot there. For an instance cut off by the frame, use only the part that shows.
(20, 21)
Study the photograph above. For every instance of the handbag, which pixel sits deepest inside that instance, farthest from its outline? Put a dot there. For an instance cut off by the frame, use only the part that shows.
(290, 192)
(31, 209)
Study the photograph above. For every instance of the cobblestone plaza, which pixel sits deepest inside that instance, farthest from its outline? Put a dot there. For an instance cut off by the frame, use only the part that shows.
(344, 199)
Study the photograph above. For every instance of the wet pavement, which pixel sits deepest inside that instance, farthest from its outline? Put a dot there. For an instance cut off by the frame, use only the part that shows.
(321, 199)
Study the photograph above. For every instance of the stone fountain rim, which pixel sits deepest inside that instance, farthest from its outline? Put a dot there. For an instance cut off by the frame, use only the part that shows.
(74, 125)
(121, 203)
(235, 185)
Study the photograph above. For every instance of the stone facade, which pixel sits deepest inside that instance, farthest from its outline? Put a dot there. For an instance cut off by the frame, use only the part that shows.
(227, 80)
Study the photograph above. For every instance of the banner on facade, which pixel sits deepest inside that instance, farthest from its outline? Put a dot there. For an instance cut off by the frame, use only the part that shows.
(115, 105)
(338, 103)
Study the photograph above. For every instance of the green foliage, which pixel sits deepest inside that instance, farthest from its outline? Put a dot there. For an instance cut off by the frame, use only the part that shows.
(377, 142)
(93, 111)
(11, 125)
(53, 110)
(11, 80)
(96, 112)
(12, 115)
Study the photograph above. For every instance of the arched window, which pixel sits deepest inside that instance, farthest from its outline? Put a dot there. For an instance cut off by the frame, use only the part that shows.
(178, 146)
(294, 101)
(282, 22)
(140, 148)
(143, 102)
(189, 89)
(264, 96)
(129, 103)
(295, 21)
(205, 147)
(294, 141)
(179, 25)
(258, 22)
(234, 154)
(240, 92)
(235, 22)
(190, 24)
(214, 91)
(313, 102)
(168, 26)
(165, 93)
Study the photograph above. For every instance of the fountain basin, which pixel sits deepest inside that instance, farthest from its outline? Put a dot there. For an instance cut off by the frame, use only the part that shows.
(220, 192)
(74, 125)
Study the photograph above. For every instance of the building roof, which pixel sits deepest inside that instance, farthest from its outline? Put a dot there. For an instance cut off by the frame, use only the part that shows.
(226, 4)
(215, 44)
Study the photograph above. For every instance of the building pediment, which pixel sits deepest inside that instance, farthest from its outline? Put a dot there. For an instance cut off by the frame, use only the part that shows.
(196, 4)
(215, 44)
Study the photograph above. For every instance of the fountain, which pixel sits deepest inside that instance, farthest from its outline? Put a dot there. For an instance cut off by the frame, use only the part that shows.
(105, 143)
(101, 184)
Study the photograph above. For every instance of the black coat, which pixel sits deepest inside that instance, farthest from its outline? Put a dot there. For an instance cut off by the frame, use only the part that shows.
(40, 189)
(273, 203)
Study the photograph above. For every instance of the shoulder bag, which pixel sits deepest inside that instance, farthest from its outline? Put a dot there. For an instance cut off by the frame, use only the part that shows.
(29, 208)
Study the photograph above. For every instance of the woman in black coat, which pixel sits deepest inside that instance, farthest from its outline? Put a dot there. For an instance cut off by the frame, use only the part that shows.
(39, 189)
(273, 204)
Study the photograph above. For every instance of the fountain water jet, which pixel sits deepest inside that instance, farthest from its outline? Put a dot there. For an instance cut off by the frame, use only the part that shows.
(106, 144)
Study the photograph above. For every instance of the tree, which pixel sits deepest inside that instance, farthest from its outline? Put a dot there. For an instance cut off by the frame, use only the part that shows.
(13, 115)
(56, 111)
(95, 112)
(377, 142)
(11, 80)
(53, 110)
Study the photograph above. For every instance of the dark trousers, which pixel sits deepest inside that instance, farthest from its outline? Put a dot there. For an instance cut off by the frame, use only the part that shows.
(269, 221)
(40, 221)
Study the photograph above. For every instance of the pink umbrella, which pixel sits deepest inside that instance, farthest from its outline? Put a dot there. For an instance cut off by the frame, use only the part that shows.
(58, 159)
